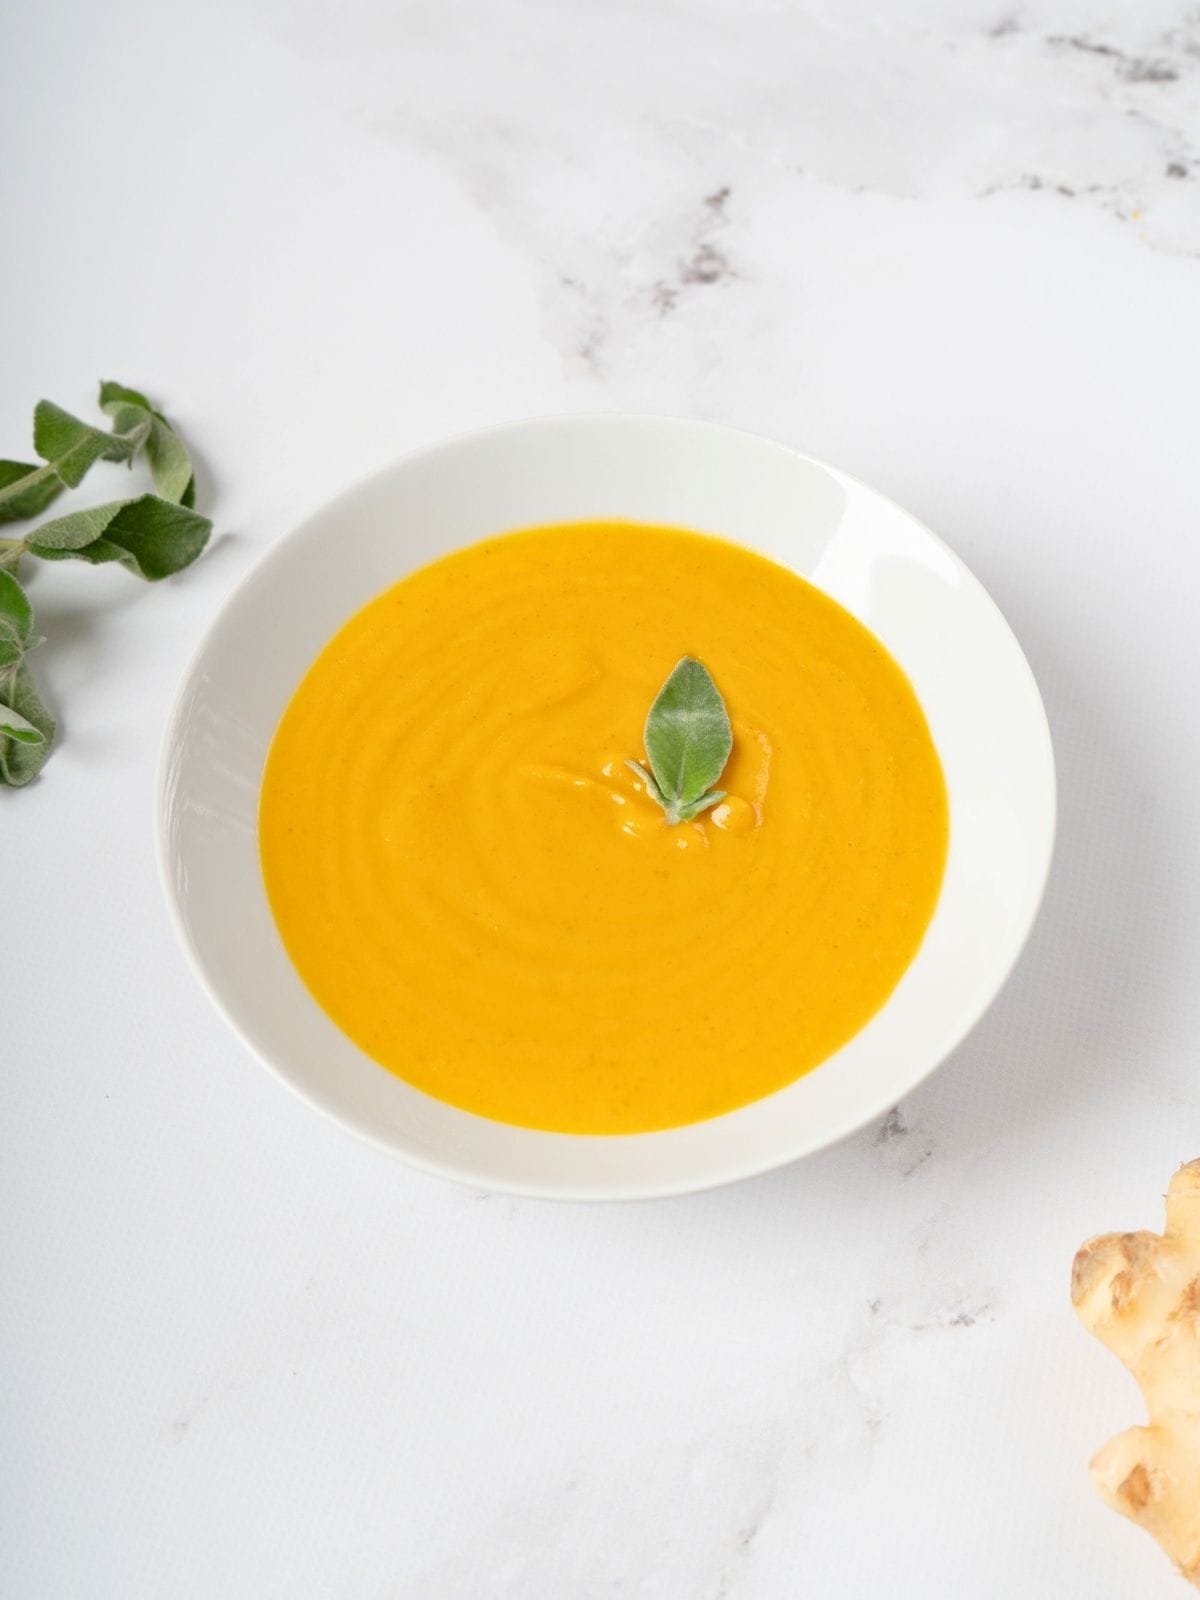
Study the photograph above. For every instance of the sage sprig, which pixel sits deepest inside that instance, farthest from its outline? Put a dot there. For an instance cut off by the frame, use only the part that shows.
(152, 535)
(26, 727)
(688, 739)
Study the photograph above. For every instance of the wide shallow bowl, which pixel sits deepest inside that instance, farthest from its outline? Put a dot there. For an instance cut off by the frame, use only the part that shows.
(892, 573)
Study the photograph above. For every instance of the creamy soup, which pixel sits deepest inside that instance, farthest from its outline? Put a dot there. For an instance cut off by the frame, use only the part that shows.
(480, 892)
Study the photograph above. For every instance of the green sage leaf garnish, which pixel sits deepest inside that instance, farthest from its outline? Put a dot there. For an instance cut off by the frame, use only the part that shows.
(688, 739)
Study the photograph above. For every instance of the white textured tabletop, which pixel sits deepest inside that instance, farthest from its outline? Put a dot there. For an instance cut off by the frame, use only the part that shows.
(951, 247)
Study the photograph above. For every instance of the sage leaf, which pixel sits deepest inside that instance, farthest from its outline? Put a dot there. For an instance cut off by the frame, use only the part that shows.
(16, 620)
(15, 609)
(647, 778)
(688, 739)
(72, 447)
(14, 726)
(115, 394)
(68, 448)
(170, 463)
(21, 759)
(705, 802)
(26, 489)
(14, 471)
(66, 535)
(152, 537)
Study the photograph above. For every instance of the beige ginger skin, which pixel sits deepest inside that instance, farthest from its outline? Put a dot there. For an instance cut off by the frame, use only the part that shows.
(1140, 1294)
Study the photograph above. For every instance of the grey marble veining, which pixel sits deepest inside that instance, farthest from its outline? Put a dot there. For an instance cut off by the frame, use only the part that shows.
(649, 158)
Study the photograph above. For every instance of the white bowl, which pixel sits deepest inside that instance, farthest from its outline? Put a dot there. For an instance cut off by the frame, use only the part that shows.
(893, 574)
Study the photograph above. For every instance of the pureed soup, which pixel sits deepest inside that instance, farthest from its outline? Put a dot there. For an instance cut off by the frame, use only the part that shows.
(481, 893)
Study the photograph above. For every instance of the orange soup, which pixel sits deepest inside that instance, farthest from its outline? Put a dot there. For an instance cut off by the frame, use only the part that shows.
(481, 893)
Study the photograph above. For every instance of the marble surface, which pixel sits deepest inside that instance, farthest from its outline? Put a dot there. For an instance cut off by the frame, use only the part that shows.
(954, 248)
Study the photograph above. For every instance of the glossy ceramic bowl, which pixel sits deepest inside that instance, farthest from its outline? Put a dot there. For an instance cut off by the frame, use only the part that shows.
(893, 574)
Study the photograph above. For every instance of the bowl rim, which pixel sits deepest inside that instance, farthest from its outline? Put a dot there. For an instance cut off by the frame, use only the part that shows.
(448, 1170)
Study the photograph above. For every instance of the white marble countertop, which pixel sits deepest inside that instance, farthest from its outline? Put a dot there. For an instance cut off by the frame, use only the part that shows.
(954, 248)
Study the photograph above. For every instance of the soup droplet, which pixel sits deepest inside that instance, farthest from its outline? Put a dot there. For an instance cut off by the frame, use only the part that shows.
(734, 815)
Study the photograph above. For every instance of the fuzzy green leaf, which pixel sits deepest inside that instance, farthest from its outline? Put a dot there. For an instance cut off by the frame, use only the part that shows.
(69, 448)
(14, 471)
(14, 726)
(21, 759)
(15, 609)
(16, 620)
(150, 536)
(112, 394)
(78, 529)
(688, 738)
(647, 778)
(170, 464)
(26, 490)
(72, 447)
(705, 803)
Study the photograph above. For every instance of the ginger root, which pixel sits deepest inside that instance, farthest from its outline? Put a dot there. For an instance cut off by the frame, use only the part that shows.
(1140, 1294)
